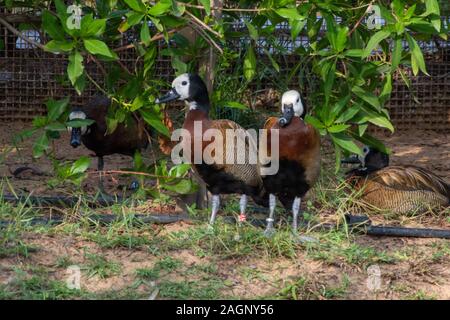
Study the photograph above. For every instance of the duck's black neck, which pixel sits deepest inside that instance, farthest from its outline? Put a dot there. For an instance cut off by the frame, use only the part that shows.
(199, 102)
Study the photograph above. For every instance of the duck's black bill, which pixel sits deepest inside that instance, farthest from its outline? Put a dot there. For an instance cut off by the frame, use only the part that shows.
(353, 159)
(169, 96)
(288, 114)
(75, 137)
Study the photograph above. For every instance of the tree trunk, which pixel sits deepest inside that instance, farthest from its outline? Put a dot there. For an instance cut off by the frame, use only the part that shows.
(206, 67)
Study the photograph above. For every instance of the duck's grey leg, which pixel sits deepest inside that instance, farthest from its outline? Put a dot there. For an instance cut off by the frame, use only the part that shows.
(242, 215)
(243, 207)
(295, 211)
(215, 203)
(272, 204)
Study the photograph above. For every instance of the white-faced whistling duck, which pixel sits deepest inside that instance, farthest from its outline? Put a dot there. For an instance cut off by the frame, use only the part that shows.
(299, 158)
(399, 189)
(223, 177)
(126, 139)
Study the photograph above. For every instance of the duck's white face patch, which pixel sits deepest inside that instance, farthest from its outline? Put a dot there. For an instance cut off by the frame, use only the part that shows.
(181, 85)
(292, 97)
(78, 115)
(362, 158)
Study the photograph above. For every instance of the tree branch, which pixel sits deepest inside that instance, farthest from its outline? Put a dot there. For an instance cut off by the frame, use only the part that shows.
(20, 35)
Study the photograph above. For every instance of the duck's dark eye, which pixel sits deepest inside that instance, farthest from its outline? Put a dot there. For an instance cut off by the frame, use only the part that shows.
(298, 99)
(184, 83)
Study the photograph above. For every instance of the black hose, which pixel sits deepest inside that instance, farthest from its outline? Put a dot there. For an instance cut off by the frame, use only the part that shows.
(64, 201)
(407, 232)
(105, 219)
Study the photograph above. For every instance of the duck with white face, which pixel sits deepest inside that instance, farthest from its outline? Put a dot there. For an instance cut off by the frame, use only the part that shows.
(220, 178)
(299, 159)
(126, 139)
(291, 105)
(76, 133)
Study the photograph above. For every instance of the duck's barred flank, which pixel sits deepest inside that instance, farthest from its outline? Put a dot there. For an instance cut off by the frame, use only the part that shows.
(401, 201)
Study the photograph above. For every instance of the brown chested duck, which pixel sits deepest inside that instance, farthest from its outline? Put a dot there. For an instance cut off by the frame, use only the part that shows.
(299, 157)
(221, 177)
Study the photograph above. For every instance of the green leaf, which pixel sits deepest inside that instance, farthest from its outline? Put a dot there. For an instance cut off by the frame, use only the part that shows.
(329, 80)
(75, 67)
(249, 63)
(235, 104)
(138, 102)
(182, 187)
(55, 126)
(371, 141)
(55, 108)
(405, 78)
(155, 121)
(80, 84)
(345, 142)
(387, 89)
(57, 46)
(316, 123)
(367, 97)
(272, 60)
(341, 39)
(396, 54)
(160, 8)
(145, 34)
(41, 144)
(296, 27)
(417, 61)
(78, 123)
(207, 5)
(179, 170)
(111, 124)
(289, 13)
(374, 41)
(432, 7)
(378, 119)
(133, 18)
(91, 27)
(52, 26)
(180, 66)
(338, 128)
(136, 5)
(80, 166)
(357, 53)
(95, 46)
(252, 30)
(61, 9)
(349, 113)
(362, 129)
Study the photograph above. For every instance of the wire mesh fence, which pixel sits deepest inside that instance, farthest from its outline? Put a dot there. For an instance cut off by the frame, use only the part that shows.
(30, 76)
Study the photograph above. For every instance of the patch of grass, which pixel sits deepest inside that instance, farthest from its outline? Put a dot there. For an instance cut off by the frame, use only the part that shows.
(63, 262)
(98, 265)
(167, 265)
(336, 247)
(37, 287)
(222, 242)
(421, 295)
(306, 289)
(183, 290)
